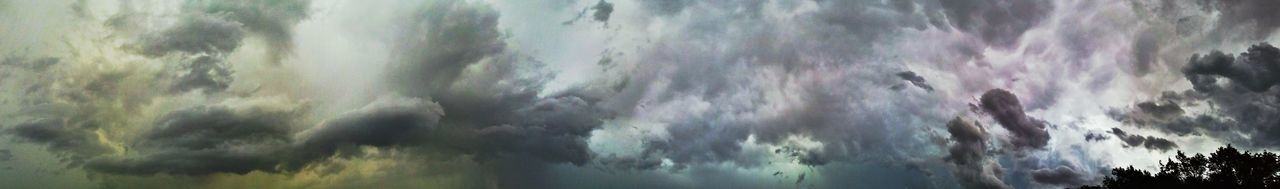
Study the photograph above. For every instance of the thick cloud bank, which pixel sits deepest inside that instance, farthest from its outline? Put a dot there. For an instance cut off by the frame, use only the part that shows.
(625, 93)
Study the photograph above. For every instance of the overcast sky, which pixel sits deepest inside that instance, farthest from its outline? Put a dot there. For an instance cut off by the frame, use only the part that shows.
(625, 93)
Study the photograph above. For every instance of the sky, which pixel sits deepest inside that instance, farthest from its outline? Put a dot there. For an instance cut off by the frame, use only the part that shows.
(626, 93)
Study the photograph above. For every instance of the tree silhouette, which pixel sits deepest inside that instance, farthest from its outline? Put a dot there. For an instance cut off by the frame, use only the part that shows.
(1225, 168)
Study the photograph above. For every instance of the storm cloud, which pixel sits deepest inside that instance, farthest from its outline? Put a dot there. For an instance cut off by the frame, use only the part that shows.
(196, 34)
(1254, 69)
(1027, 132)
(58, 135)
(212, 139)
(1235, 90)
(449, 37)
(208, 33)
(204, 140)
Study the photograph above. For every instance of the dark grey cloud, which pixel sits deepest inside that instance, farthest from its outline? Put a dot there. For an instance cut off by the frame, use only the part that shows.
(389, 122)
(1166, 114)
(67, 116)
(1061, 176)
(602, 11)
(1255, 69)
(914, 79)
(1149, 142)
(195, 34)
(271, 20)
(210, 30)
(218, 27)
(552, 129)
(1236, 92)
(627, 163)
(213, 139)
(203, 140)
(973, 166)
(1161, 110)
(205, 73)
(203, 127)
(1092, 136)
(1159, 143)
(203, 41)
(971, 140)
(536, 142)
(72, 138)
(1027, 132)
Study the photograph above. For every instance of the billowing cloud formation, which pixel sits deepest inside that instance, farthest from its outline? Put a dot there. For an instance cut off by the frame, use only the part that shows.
(1027, 132)
(1235, 90)
(211, 126)
(272, 20)
(204, 140)
(388, 122)
(974, 167)
(211, 30)
(197, 34)
(76, 139)
(1255, 69)
(1167, 115)
(218, 139)
(551, 129)
(208, 73)
(454, 53)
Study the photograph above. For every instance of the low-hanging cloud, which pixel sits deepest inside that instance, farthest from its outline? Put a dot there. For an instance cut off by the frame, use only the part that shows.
(1149, 142)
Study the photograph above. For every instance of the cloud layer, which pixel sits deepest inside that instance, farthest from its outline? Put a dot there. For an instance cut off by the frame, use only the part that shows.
(625, 93)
